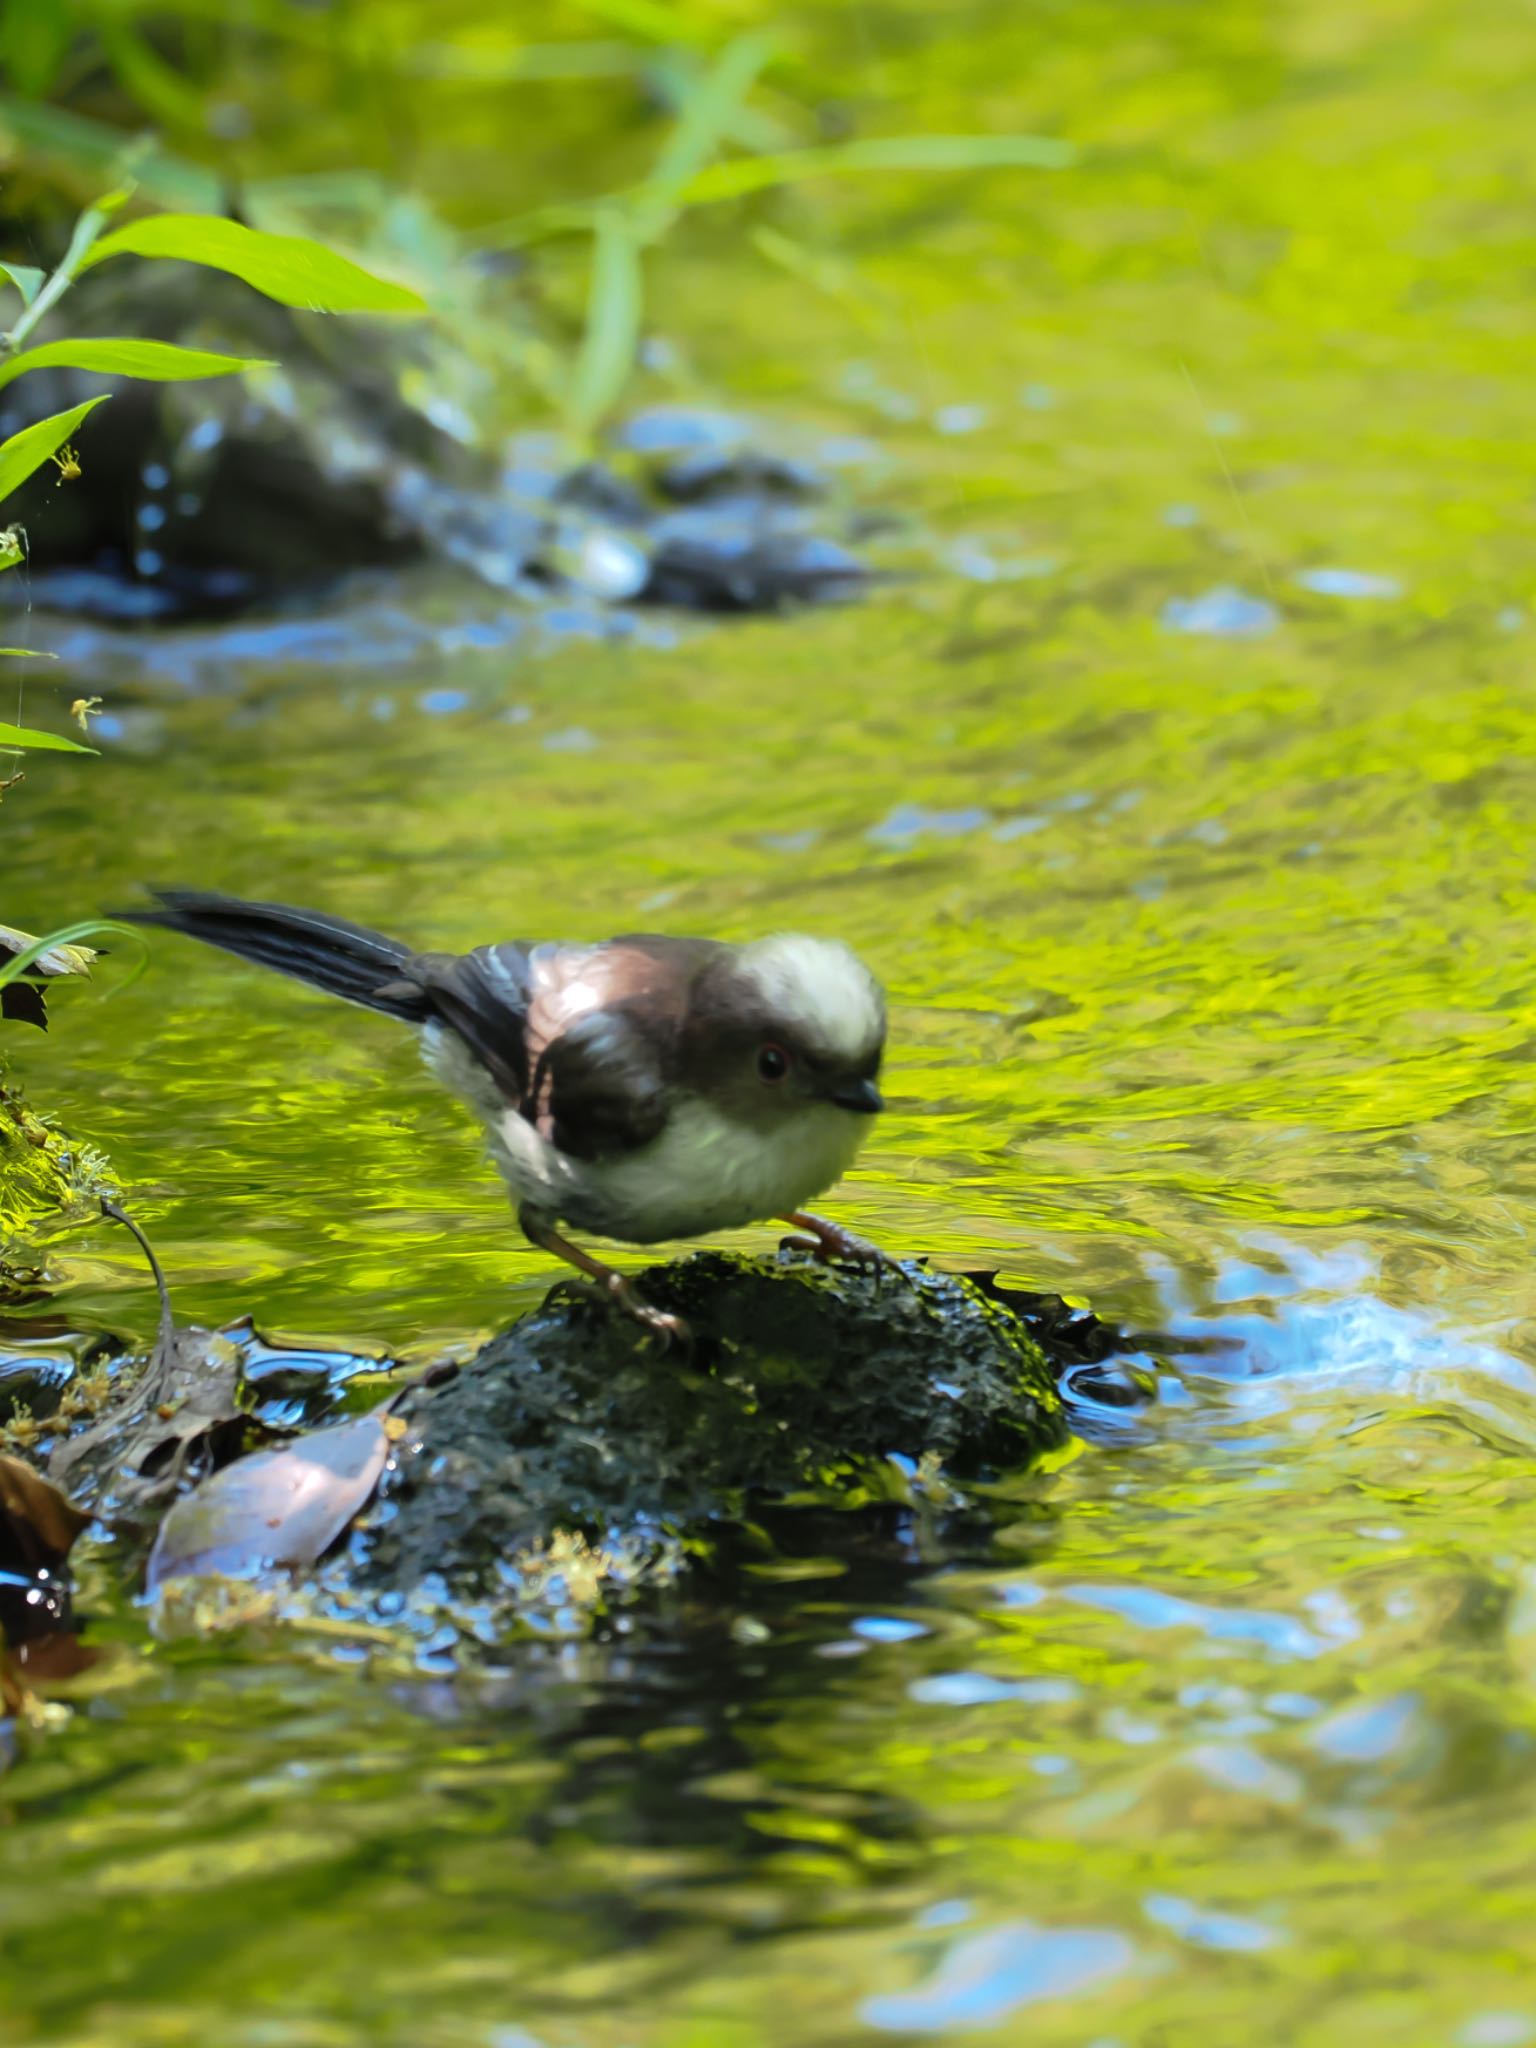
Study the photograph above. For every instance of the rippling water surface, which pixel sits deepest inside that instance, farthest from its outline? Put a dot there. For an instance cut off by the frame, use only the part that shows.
(1186, 802)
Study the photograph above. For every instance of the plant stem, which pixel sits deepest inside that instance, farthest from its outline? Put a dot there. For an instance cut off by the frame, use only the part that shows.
(87, 228)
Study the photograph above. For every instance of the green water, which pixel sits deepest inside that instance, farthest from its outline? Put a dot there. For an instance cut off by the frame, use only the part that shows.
(1213, 1005)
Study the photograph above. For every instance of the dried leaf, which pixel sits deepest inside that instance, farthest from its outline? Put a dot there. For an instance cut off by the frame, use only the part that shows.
(51, 1661)
(38, 1523)
(274, 1508)
(59, 959)
(24, 1003)
(38, 1526)
(183, 1418)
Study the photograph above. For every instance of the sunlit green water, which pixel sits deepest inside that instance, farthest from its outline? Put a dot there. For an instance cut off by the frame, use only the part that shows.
(1209, 957)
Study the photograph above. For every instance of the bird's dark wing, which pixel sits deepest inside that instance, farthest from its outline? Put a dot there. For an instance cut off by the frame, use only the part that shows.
(602, 1039)
(484, 998)
(603, 1085)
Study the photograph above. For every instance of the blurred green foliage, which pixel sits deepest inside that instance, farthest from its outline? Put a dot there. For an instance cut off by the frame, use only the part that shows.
(367, 98)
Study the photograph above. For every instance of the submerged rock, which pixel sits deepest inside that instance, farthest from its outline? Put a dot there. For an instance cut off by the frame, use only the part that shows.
(571, 1450)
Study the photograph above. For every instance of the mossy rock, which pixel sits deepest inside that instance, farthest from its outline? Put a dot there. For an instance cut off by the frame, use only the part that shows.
(573, 1460)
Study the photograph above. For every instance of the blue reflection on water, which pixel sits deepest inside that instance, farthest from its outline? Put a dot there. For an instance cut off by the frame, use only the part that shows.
(983, 1978)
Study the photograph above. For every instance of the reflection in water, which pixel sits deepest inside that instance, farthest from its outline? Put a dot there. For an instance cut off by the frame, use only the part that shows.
(983, 1978)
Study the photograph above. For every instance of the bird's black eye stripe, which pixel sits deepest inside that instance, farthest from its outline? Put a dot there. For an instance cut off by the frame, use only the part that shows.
(772, 1062)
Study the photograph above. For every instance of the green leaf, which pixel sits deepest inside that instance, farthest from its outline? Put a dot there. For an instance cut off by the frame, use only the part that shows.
(879, 153)
(702, 125)
(26, 280)
(161, 91)
(747, 174)
(614, 299)
(28, 654)
(288, 268)
(31, 448)
(158, 361)
(649, 20)
(42, 742)
(36, 42)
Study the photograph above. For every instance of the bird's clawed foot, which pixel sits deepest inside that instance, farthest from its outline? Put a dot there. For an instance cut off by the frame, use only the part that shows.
(608, 1285)
(828, 1241)
(674, 1333)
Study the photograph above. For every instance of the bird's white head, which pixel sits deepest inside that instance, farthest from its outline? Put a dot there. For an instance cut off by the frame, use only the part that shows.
(786, 1028)
(820, 992)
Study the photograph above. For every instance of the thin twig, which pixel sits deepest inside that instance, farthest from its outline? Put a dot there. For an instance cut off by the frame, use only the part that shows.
(87, 228)
(167, 1321)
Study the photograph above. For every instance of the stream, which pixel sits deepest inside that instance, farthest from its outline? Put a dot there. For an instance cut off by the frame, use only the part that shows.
(1181, 790)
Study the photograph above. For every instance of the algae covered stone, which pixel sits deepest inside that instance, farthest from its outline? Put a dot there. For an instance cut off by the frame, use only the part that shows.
(570, 1438)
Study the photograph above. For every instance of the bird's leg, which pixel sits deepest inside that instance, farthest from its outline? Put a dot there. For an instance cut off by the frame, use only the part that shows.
(829, 1241)
(614, 1286)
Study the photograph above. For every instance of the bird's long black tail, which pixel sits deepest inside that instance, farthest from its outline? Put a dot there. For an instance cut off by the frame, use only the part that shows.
(344, 959)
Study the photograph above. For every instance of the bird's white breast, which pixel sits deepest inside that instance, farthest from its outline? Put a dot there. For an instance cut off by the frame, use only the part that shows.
(704, 1172)
(707, 1172)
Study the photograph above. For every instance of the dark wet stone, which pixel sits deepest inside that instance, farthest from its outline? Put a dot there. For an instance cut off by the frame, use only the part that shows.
(806, 1386)
(592, 488)
(33, 1382)
(710, 475)
(202, 499)
(731, 571)
(1068, 1335)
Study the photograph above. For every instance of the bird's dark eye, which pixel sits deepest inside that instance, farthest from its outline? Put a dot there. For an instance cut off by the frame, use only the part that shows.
(772, 1062)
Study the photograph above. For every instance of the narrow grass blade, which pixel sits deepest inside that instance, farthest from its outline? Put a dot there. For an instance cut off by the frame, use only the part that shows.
(614, 301)
(880, 153)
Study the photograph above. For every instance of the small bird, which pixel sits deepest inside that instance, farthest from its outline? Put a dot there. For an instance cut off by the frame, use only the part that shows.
(641, 1088)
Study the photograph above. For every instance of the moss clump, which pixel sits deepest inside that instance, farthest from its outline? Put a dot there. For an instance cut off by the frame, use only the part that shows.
(45, 1178)
(571, 1438)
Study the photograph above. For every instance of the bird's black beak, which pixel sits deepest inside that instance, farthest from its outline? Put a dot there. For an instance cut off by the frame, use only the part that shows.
(862, 1097)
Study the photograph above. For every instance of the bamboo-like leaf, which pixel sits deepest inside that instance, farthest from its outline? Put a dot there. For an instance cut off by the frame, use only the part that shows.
(164, 94)
(28, 653)
(88, 146)
(702, 125)
(650, 20)
(747, 174)
(614, 299)
(40, 742)
(26, 280)
(878, 153)
(289, 268)
(159, 362)
(31, 448)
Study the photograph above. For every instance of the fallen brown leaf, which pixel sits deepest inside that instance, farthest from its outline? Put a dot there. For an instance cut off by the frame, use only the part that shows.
(38, 1523)
(38, 1527)
(182, 1418)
